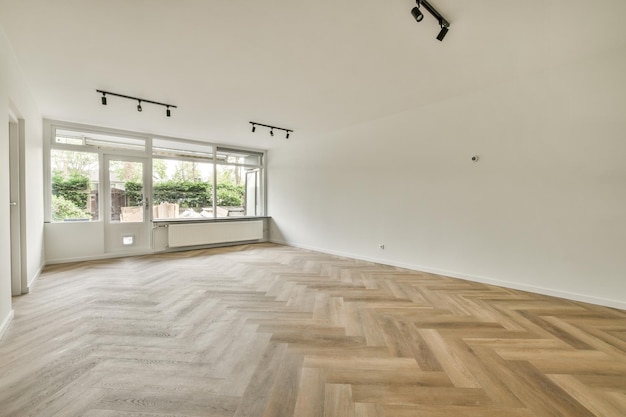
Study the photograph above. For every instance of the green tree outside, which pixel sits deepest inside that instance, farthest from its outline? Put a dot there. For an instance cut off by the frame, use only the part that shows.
(74, 189)
(63, 209)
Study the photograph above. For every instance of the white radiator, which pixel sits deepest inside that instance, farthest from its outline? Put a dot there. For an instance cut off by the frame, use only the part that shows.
(179, 235)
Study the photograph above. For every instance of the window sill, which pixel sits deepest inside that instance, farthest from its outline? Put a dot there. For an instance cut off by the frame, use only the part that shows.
(209, 220)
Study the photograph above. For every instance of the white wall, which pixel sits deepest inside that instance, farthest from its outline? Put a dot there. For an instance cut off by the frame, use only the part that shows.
(14, 90)
(544, 209)
(69, 242)
(80, 241)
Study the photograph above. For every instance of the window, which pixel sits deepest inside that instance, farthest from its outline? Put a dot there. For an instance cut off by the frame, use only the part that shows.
(238, 183)
(190, 180)
(234, 156)
(188, 177)
(127, 193)
(74, 185)
(177, 149)
(182, 189)
(182, 178)
(98, 141)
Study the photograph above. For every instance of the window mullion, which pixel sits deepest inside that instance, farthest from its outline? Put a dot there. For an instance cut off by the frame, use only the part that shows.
(214, 190)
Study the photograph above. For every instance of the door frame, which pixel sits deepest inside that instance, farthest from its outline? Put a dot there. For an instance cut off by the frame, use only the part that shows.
(19, 280)
(115, 231)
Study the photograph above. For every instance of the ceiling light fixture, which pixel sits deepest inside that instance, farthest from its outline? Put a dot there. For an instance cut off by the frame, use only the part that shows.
(442, 33)
(417, 14)
(168, 112)
(443, 23)
(271, 128)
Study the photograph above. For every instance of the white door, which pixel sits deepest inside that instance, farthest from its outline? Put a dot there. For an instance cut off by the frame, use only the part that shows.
(127, 214)
(18, 287)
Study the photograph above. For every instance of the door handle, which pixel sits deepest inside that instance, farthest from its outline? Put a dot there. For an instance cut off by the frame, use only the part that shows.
(13, 203)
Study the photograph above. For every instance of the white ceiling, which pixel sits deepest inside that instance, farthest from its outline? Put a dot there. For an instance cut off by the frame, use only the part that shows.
(311, 66)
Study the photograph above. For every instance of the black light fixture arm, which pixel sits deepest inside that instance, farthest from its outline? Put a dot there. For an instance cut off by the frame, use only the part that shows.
(138, 99)
(287, 131)
(442, 20)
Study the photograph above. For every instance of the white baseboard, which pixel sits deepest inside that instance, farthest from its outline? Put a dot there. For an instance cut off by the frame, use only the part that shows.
(453, 274)
(6, 323)
(97, 257)
(33, 280)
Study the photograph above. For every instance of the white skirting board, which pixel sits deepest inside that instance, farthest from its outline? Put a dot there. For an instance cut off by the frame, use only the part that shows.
(181, 235)
(6, 323)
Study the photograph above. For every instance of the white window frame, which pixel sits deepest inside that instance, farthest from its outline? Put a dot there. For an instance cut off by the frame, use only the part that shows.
(50, 127)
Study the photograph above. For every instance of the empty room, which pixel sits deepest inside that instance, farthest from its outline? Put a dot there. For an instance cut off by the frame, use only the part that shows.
(312, 209)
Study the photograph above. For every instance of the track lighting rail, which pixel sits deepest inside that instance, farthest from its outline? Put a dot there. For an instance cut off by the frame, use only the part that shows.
(271, 128)
(138, 99)
(442, 21)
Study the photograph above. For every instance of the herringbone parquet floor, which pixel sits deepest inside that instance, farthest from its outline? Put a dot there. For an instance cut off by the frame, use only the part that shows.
(270, 331)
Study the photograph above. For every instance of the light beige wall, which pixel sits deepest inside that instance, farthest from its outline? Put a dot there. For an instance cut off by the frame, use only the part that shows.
(542, 210)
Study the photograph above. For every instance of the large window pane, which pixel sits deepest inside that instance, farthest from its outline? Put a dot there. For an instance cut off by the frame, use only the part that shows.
(230, 191)
(182, 189)
(74, 185)
(126, 187)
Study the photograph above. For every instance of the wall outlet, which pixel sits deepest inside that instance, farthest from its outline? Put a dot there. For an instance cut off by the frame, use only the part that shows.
(381, 246)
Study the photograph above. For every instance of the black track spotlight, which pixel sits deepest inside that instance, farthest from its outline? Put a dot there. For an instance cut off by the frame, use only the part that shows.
(104, 99)
(168, 113)
(442, 33)
(417, 14)
(139, 106)
(271, 128)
